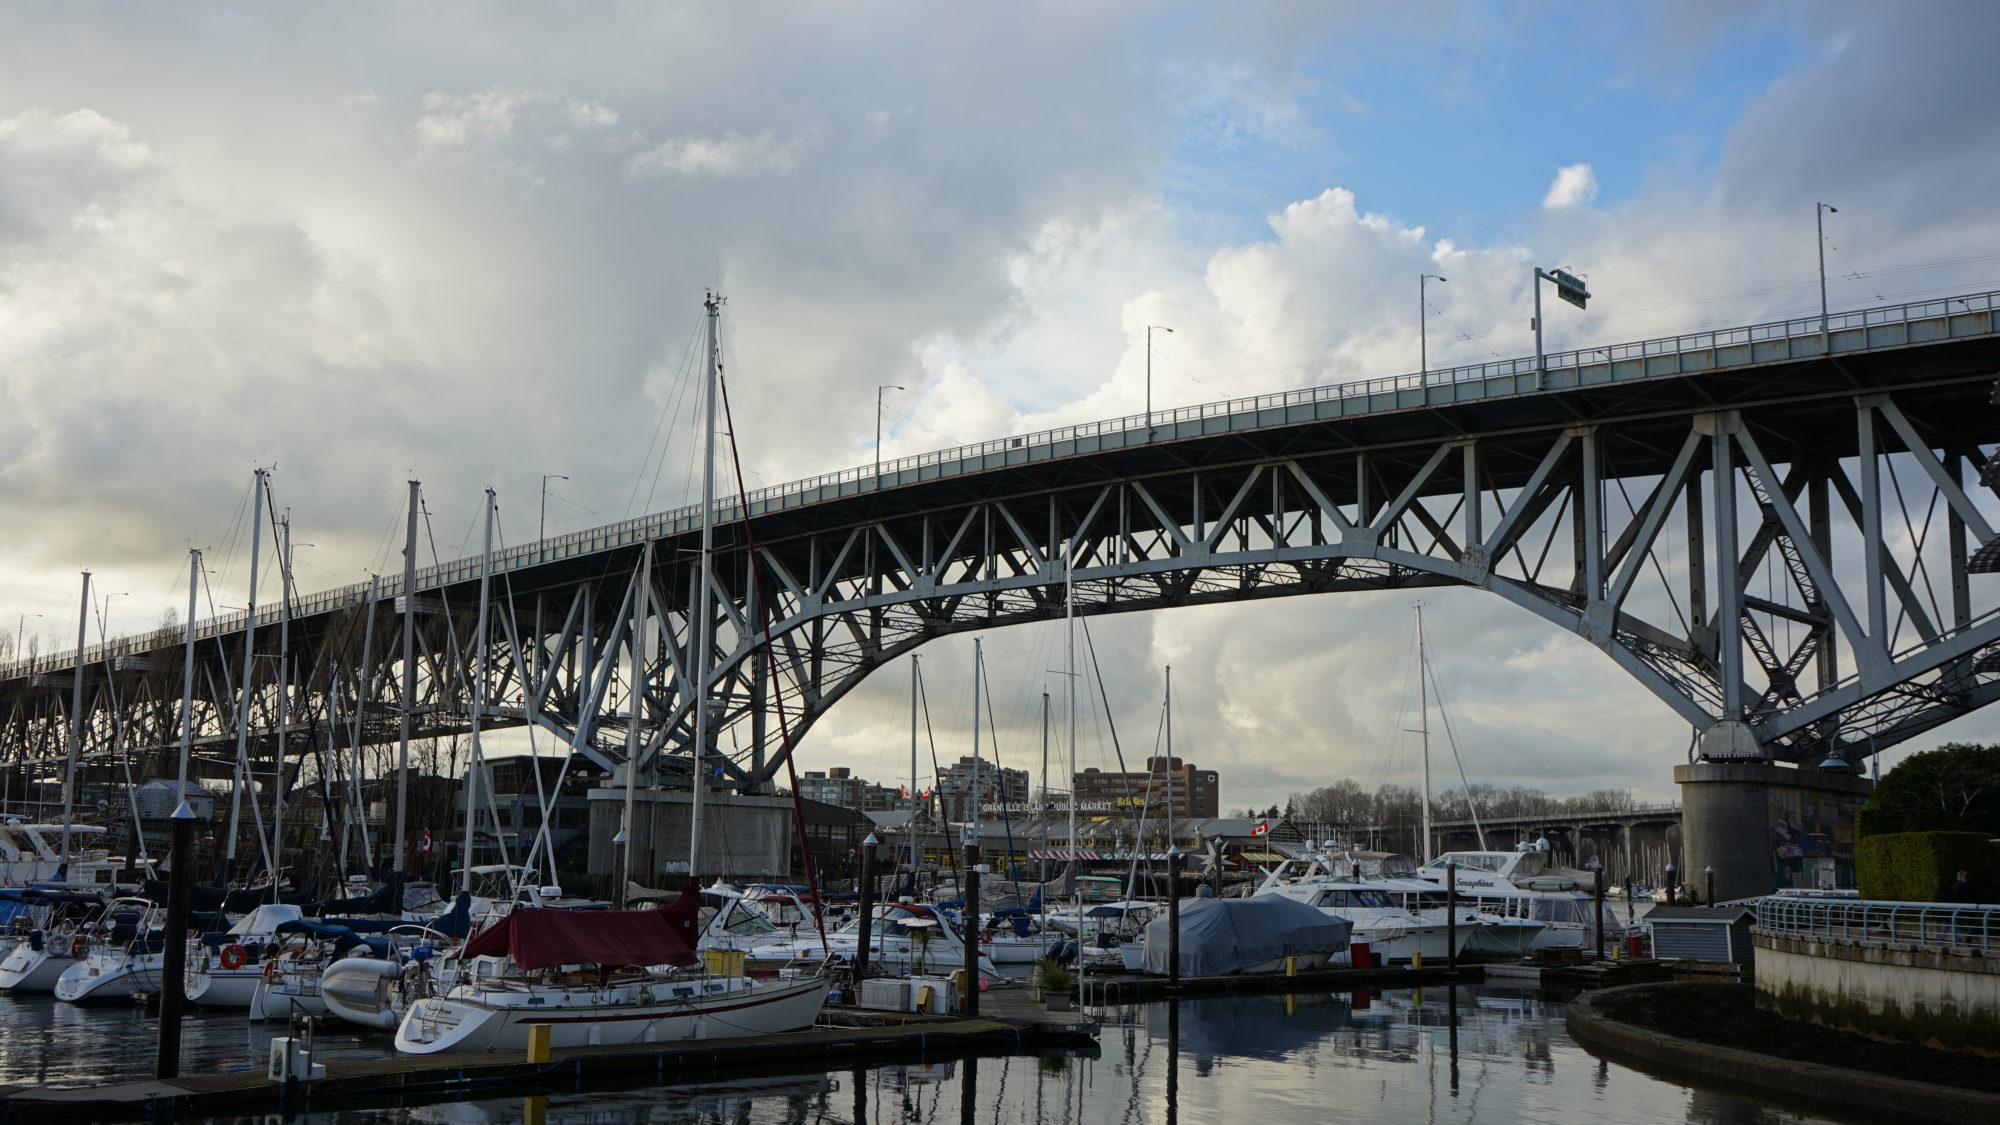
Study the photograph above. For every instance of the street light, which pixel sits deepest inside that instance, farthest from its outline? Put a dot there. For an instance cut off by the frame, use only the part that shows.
(1423, 337)
(20, 626)
(878, 427)
(1150, 328)
(542, 523)
(1819, 229)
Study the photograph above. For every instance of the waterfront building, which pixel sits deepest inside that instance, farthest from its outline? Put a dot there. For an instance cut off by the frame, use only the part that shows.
(1197, 793)
(997, 789)
(839, 786)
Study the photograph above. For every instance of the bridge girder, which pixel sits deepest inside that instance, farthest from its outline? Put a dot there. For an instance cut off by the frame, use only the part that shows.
(1778, 552)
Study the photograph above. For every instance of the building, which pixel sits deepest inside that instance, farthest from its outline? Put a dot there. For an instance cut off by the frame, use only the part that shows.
(1197, 793)
(957, 800)
(839, 786)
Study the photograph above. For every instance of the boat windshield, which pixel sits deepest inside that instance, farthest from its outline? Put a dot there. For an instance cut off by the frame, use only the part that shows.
(1468, 861)
(1355, 898)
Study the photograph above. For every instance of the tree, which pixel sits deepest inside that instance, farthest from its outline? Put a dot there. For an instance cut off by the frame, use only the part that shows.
(1955, 788)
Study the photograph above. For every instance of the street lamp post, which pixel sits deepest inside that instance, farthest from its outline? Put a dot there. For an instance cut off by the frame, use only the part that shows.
(1423, 334)
(20, 627)
(878, 427)
(1150, 329)
(1819, 229)
(542, 522)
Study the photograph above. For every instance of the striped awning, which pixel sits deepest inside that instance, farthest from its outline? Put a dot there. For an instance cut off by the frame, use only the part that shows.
(1263, 857)
(1063, 853)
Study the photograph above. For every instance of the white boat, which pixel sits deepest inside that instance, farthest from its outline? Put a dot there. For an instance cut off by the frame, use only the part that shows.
(903, 938)
(124, 958)
(1524, 885)
(1491, 933)
(1392, 932)
(53, 936)
(573, 972)
(224, 970)
(32, 853)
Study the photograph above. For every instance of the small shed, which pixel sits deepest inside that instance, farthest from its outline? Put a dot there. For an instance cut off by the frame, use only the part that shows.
(1716, 934)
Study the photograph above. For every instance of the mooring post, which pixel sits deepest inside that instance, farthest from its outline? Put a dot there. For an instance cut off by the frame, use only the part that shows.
(867, 889)
(173, 955)
(1451, 914)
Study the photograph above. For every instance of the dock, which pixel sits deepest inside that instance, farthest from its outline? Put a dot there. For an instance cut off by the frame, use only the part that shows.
(1010, 1023)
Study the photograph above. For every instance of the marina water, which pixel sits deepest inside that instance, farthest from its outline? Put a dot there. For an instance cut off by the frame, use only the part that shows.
(1256, 1060)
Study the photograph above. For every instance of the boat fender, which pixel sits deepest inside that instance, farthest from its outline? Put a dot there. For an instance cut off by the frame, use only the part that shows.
(234, 956)
(36, 940)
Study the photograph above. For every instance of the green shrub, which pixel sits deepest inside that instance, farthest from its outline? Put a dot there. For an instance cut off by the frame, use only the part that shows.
(1053, 976)
(1921, 866)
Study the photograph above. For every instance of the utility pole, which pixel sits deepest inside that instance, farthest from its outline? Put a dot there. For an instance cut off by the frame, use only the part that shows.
(1150, 329)
(1423, 333)
(1819, 230)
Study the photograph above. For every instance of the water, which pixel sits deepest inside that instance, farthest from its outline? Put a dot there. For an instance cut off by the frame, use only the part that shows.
(1261, 1060)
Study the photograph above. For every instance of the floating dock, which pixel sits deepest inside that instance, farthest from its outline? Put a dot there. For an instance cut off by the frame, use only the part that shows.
(873, 1038)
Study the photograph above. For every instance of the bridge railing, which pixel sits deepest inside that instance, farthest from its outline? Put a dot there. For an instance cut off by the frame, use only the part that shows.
(1857, 330)
(1931, 925)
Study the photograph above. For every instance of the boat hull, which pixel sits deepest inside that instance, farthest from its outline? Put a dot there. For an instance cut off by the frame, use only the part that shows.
(32, 970)
(104, 976)
(217, 987)
(490, 1019)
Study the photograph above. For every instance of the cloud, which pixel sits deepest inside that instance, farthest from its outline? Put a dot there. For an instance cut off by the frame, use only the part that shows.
(720, 157)
(1575, 186)
(467, 274)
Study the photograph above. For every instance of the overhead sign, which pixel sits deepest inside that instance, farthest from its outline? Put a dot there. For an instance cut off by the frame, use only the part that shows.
(1570, 287)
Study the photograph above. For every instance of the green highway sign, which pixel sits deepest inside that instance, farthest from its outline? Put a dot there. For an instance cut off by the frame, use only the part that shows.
(1570, 287)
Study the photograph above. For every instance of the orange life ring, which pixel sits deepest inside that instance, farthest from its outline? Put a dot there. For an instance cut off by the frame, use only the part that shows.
(270, 971)
(234, 956)
(79, 947)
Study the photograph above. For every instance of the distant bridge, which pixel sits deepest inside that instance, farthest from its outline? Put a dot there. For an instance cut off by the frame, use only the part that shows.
(1775, 530)
(1637, 841)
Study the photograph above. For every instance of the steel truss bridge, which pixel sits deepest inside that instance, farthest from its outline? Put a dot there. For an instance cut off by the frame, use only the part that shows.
(1777, 531)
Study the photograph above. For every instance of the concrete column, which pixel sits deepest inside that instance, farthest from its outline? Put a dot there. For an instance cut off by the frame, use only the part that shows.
(1730, 821)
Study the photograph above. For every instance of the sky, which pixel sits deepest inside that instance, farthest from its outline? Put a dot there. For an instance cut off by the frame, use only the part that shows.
(467, 243)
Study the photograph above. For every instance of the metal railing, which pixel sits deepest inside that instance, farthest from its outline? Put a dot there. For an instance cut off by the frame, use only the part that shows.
(1934, 925)
(1666, 356)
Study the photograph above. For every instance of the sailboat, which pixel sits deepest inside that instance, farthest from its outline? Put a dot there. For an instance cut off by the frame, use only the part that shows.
(611, 976)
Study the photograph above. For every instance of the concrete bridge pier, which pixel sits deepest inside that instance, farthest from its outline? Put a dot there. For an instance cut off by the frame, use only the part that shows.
(1764, 826)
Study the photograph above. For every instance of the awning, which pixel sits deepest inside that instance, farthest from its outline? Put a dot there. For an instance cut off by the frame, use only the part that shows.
(540, 938)
(1263, 857)
(1063, 853)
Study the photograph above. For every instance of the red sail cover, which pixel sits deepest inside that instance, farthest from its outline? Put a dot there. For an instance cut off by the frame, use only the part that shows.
(540, 939)
(685, 912)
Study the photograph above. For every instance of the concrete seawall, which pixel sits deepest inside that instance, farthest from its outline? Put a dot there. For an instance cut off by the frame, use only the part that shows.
(1885, 990)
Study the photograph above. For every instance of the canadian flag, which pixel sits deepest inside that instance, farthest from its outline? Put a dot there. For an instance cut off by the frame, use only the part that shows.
(1263, 828)
(424, 845)
(904, 790)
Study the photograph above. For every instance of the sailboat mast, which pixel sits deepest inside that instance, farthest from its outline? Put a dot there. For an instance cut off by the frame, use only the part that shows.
(1424, 732)
(249, 670)
(472, 760)
(916, 680)
(972, 796)
(187, 682)
(1169, 705)
(364, 682)
(284, 698)
(402, 844)
(703, 618)
(641, 586)
(1069, 616)
(76, 723)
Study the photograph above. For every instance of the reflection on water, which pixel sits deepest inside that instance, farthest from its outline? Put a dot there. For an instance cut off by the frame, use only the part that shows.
(1433, 1055)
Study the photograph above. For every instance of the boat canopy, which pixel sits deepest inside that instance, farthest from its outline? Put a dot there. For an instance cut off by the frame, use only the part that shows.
(538, 938)
(1225, 935)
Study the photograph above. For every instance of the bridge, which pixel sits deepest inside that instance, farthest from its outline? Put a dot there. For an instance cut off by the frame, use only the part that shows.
(1775, 528)
(1636, 843)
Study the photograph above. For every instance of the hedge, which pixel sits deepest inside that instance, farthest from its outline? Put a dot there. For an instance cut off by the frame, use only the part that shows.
(1921, 866)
